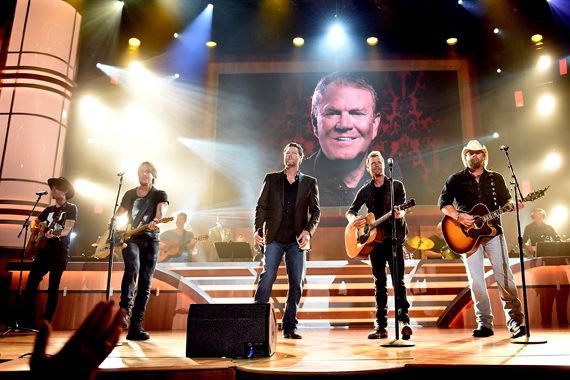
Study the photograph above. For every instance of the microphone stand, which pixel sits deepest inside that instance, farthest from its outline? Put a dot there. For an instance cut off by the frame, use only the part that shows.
(395, 278)
(111, 238)
(519, 197)
(25, 226)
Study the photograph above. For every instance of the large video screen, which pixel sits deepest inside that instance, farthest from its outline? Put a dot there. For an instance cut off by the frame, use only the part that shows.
(421, 121)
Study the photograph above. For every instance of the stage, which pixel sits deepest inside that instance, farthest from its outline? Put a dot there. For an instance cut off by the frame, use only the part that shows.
(325, 352)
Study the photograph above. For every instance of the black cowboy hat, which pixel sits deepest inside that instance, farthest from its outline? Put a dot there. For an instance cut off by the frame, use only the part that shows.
(63, 185)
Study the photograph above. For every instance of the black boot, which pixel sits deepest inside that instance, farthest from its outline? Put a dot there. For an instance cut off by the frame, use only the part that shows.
(136, 332)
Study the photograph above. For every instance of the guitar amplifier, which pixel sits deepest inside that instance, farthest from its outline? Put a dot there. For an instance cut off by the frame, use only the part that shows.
(553, 248)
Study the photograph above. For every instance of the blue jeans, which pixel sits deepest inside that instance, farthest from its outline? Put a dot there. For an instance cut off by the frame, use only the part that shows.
(140, 260)
(295, 264)
(496, 250)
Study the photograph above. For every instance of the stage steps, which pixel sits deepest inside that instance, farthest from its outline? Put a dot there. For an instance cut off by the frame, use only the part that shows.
(335, 292)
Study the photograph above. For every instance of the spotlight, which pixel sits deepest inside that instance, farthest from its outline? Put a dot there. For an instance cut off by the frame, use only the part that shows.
(536, 38)
(544, 63)
(496, 30)
(545, 105)
(552, 161)
(372, 41)
(496, 135)
(298, 41)
(499, 70)
(336, 36)
(175, 35)
(452, 41)
(134, 42)
(211, 44)
(176, 75)
(459, 2)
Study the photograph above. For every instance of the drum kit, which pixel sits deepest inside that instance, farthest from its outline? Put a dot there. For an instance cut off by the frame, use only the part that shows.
(422, 244)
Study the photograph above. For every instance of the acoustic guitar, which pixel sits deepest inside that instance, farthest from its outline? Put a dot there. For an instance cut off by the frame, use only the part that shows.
(38, 239)
(175, 247)
(103, 245)
(463, 239)
(359, 242)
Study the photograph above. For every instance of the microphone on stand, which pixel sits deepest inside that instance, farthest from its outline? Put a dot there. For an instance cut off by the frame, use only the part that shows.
(41, 192)
(121, 173)
(504, 148)
(390, 161)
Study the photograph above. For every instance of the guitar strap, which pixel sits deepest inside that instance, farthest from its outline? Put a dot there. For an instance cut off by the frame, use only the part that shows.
(143, 211)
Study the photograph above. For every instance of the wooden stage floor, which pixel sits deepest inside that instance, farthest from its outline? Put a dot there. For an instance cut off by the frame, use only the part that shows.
(324, 352)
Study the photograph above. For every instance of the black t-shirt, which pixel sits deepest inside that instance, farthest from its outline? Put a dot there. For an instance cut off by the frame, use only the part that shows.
(286, 232)
(536, 233)
(56, 218)
(147, 204)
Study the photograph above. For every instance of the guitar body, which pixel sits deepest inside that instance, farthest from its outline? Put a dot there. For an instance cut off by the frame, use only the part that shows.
(37, 239)
(461, 239)
(359, 243)
(174, 247)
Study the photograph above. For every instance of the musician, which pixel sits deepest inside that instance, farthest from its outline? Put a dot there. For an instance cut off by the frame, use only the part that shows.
(286, 216)
(440, 249)
(461, 192)
(538, 231)
(143, 204)
(59, 220)
(177, 244)
(376, 196)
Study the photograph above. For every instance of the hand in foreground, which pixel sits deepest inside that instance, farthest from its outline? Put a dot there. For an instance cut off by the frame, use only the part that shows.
(81, 356)
(303, 239)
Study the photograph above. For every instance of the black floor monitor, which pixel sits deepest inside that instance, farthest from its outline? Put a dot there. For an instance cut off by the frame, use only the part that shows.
(234, 251)
(553, 248)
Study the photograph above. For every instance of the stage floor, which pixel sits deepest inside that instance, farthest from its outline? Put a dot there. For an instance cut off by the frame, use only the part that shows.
(323, 352)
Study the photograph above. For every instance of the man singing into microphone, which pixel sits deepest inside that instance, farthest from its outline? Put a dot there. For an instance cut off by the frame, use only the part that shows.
(461, 192)
(376, 196)
(52, 254)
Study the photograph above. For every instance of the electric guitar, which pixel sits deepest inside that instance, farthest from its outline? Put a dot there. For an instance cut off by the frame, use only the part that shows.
(103, 248)
(359, 242)
(175, 247)
(463, 239)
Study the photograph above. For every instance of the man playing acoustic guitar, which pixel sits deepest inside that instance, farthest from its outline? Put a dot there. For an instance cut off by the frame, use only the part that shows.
(461, 193)
(55, 225)
(178, 244)
(376, 196)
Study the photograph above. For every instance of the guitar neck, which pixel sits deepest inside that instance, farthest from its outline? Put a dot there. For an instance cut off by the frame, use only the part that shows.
(494, 214)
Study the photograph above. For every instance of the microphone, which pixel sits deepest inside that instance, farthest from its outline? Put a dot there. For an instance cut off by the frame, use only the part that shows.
(121, 173)
(390, 161)
(41, 192)
(504, 148)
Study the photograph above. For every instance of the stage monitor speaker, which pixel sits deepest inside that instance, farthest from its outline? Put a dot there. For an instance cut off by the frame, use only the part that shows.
(231, 330)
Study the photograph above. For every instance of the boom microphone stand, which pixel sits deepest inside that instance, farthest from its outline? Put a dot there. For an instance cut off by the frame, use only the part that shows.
(518, 198)
(25, 226)
(395, 279)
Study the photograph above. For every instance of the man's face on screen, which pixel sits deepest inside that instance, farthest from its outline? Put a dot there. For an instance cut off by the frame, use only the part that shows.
(346, 123)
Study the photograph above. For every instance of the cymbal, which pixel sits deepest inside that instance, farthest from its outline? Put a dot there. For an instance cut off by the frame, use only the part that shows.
(421, 243)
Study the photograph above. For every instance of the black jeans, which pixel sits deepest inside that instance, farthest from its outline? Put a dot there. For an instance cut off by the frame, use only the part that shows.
(51, 259)
(381, 254)
(140, 258)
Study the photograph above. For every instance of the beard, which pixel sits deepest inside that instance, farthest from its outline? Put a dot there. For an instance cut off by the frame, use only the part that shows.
(474, 163)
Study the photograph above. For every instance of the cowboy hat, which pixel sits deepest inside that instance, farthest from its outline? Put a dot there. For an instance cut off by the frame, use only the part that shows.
(474, 145)
(62, 184)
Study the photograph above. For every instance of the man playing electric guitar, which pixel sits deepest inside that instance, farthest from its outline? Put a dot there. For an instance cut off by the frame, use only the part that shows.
(376, 196)
(143, 205)
(461, 193)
